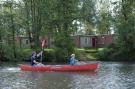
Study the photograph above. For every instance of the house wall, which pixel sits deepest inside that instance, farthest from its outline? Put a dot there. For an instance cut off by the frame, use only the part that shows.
(104, 40)
(25, 43)
(77, 41)
(85, 41)
(81, 41)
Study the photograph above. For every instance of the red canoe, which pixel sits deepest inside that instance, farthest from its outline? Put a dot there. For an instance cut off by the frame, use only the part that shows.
(85, 67)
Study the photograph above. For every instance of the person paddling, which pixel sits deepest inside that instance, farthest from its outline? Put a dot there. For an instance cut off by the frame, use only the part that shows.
(72, 60)
(34, 57)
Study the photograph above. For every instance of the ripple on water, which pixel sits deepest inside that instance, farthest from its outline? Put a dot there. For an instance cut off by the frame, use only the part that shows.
(108, 76)
(10, 69)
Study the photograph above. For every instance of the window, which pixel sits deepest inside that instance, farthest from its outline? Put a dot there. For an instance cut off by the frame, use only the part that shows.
(27, 41)
(86, 40)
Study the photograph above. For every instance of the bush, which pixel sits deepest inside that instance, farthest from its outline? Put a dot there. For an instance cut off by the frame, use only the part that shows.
(116, 53)
(64, 46)
(103, 54)
(23, 54)
(7, 53)
(49, 55)
(61, 55)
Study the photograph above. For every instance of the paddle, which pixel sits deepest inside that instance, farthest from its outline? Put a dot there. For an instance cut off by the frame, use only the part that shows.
(42, 46)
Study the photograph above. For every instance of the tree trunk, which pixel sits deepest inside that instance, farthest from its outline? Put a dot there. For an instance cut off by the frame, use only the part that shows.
(13, 32)
(36, 21)
(0, 47)
(28, 25)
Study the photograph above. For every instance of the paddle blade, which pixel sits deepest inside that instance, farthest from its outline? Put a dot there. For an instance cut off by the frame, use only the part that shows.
(43, 43)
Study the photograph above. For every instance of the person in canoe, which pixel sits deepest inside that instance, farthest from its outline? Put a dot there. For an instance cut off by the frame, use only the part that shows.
(34, 57)
(72, 60)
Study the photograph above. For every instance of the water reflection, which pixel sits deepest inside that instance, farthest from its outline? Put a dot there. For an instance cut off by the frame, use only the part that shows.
(10, 69)
(55, 80)
(109, 76)
(117, 76)
(47, 80)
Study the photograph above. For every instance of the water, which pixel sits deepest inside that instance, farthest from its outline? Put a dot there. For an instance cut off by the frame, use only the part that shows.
(110, 75)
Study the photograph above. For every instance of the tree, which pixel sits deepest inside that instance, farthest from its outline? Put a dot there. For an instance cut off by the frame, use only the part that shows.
(88, 15)
(66, 13)
(104, 17)
(124, 22)
(9, 6)
(11, 25)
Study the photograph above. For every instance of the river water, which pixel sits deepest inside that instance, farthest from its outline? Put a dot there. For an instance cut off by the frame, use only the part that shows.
(110, 75)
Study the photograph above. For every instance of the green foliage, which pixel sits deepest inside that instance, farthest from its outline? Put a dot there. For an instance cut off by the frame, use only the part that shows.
(62, 17)
(104, 23)
(125, 25)
(115, 53)
(55, 18)
(104, 54)
(22, 54)
(49, 55)
(7, 53)
(86, 54)
(126, 35)
(64, 46)
(124, 22)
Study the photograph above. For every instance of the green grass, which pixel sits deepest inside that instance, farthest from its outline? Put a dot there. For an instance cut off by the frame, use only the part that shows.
(81, 53)
(79, 50)
(100, 49)
(89, 54)
(48, 49)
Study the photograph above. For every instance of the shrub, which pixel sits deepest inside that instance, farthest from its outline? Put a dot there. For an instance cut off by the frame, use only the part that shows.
(103, 54)
(49, 55)
(64, 46)
(23, 54)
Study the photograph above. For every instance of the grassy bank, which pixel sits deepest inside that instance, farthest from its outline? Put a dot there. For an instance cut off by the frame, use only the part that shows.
(88, 54)
(49, 55)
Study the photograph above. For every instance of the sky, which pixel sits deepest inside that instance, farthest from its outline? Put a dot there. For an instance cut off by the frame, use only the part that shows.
(105, 4)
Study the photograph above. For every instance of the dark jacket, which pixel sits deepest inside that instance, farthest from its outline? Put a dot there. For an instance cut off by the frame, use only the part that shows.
(32, 60)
